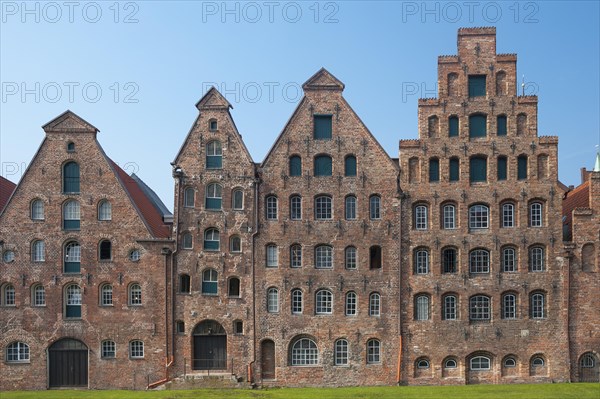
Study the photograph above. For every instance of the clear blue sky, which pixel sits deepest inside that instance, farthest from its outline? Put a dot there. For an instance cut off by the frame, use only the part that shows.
(152, 60)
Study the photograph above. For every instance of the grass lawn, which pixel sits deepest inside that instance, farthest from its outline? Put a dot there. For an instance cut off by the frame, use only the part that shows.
(537, 391)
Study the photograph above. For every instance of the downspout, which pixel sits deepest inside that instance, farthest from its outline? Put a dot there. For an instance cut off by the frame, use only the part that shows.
(401, 196)
(250, 366)
(568, 304)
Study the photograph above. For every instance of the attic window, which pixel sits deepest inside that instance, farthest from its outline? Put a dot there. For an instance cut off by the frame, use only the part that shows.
(70, 147)
(212, 125)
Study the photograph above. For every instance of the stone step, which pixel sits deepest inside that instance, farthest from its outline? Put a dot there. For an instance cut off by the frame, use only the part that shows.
(203, 380)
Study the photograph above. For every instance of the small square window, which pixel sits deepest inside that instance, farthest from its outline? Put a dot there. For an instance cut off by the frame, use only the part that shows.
(212, 125)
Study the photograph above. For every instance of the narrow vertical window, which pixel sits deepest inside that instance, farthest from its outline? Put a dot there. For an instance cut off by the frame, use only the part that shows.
(350, 207)
(323, 208)
(297, 301)
(72, 257)
(234, 287)
(238, 199)
(375, 258)
(272, 255)
(509, 306)
(433, 126)
(296, 256)
(235, 244)
(214, 155)
(434, 170)
(453, 126)
(295, 166)
(501, 125)
(295, 207)
(454, 166)
(273, 300)
(350, 261)
(509, 260)
(105, 250)
(38, 295)
(135, 295)
(375, 207)
(212, 241)
(71, 178)
(214, 196)
(420, 217)
(73, 301)
(449, 309)
(37, 210)
(478, 169)
(210, 282)
(351, 301)
(508, 215)
(536, 259)
(449, 260)
(104, 210)
(449, 214)
(522, 167)
(271, 207)
(374, 304)
(106, 295)
(341, 352)
(536, 306)
(350, 166)
(535, 214)
(38, 251)
(502, 168)
(71, 215)
(373, 351)
(521, 124)
(477, 86)
(421, 307)
(322, 127)
(188, 197)
(421, 261)
(477, 126)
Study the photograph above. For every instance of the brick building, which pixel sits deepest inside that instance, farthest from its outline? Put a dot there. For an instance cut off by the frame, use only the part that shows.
(327, 264)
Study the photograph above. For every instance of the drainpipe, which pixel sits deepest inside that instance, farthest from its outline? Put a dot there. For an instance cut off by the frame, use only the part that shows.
(250, 373)
(401, 197)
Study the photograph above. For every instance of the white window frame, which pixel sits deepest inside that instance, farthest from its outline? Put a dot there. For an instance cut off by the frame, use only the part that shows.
(375, 304)
(421, 217)
(271, 207)
(508, 215)
(272, 256)
(479, 216)
(323, 207)
(341, 351)
(323, 302)
(449, 211)
(297, 301)
(273, 300)
(323, 257)
(136, 349)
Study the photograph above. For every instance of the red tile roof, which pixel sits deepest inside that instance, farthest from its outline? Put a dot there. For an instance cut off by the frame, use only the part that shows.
(151, 216)
(576, 198)
(6, 189)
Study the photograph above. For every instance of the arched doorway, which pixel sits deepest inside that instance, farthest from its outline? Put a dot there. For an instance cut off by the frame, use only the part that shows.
(267, 360)
(210, 346)
(68, 364)
(589, 368)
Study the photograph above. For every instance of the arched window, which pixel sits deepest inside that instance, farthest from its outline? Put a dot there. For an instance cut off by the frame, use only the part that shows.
(501, 83)
(37, 209)
(449, 260)
(38, 295)
(304, 352)
(479, 217)
(537, 301)
(295, 207)
(136, 349)
(422, 307)
(135, 255)
(350, 207)
(502, 172)
(273, 300)
(477, 126)
(295, 165)
(480, 363)
(104, 210)
(105, 250)
(536, 259)
(434, 170)
(210, 282)
(272, 255)
(433, 126)
(323, 257)
(235, 244)
(323, 207)
(454, 172)
(522, 167)
(185, 284)
(212, 240)
(322, 165)
(480, 308)
(8, 295)
(537, 361)
(509, 306)
(8, 256)
(72, 301)
(71, 215)
(271, 207)
(214, 196)
(71, 178)
(374, 304)
(350, 261)
(373, 351)
(478, 169)
(421, 217)
(296, 256)
(508, 214)
(521, 124)
(106, 295)
(38, 251)
(537, 365)
(135, 295)
(323, 302)
(536, 216)
(375, 207)
(350, 166)
(297, 301)
(187, 241)
(340, 352)
(422, 364)
(449, 310)
(453, 126)
(449, 217)
(509, 260)
(234, 287)
(421, 261)
(509, 362)
(214, 155)
(479, 261)
(450, 364)
(375, 258)
(452, 84)
(17, 352)
(588, 361)
(108, 349)
(189, 197)
(501, 125)
(237, 199)
(72, 257)
(350, 305)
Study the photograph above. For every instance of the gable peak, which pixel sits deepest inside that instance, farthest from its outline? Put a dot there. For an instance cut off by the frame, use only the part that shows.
(323, 80)
(213, 100)
(69, 122)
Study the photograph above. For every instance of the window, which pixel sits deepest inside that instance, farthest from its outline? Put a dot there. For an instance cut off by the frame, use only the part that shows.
(38, 251)
(296, 255)
(271, 207)
(588, 361)
(509, 259)
(73, 301)
(522, 167)
(433, 126)
(106, 295)
(535, 214)
(37, 209)
(214, 196)
(421, 261)
(185, 284)
(322, 127)
(238, 327)
(449, 260)
(479, 308)
(272, 255)
(324, 302)
(375, 207)
(422, 307)
(537, 361)
(72, 257)
(449, 212)
(434, 170)
(38, 294)
(323, 207)
(135, 295)
(536, 305)
(373, 351)
(375, 259)
(214, 155)
(449, 309)
(350, 166)
(212, 242)
(304, 352)
(479, 261)
(422, 364)
(296, 207)
(374, 304)
(71, 215)
(478, 169)
(477, 126)
(70, 147)
(136, 349)
(351, 300)
(510, 362)
(71, 178)
(104, 210)
(509, 306)
(501, 125)
(235, 244)
(323, 257)
(8, 295)
(508, 215)
(209, 282)
(454, 166)
(297, 301)
(212, 125)
(421, 217)
(450, 364)
(105, 250)
(188, 197)
(340, 353)
(17, 352)
(502, 166)
(295, 166)
(479, 217)
(238, 200)
(323, 165)
(187, 241)
(108, 349)
(273, 300)
(453, 126)
(480, 363)
(350, 207)
(476, 85)
(350, 262)
(234, 287)
(8, 256)
(536, 259)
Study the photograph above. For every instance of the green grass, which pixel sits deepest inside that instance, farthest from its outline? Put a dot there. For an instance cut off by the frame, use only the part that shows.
(537, 391)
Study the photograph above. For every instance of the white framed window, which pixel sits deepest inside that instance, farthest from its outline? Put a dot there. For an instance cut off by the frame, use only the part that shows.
(237, 200)
(38, 295)
(421, 261)
(535, 214)
(350, 261)
(350, 207)
(189, 197)
(273, 300)
(421, 217)
(375, 207)
(71, 215)
(509, 259)
(271, 207)
(509, 306)
(296, 256)
(297, 301)
(304, 353)
(508, 215)
(323, 257)
(8, 256)
(324, 302)
(38, 251)
(480, 363)
(479, 217)
(210, 282)
(108, 349)
(37, 209)
(375, 304)
(536, 305)
(422, 307)
(480, 308)
(351, 300)
(135, 254)
(104, 210)
(73, 301)
(214, 196)
(8, 295)
(423, 364)
(449, 217)
(450, 364)
(136, 349)
(323, 209)
(135, 294)
(340, 357)
(272, 255)
(510, 362)
(536, 259)
(17, 352)
(373, 351)
(479, 261)
(235, 244)
(296, 207)
(537, 361)
(449, 309)
(212, 240)
(106, 295)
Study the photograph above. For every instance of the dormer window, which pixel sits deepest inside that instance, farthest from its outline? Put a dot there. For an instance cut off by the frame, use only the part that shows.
(212, 125)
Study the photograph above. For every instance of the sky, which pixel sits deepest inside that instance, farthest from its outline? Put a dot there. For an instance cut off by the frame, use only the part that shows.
(135, 69)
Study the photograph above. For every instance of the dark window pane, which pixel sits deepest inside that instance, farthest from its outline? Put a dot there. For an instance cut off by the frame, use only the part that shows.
(477, 86)
(350, 166)
(71, 178)
(434, 170)
(502, 168)
(478, 169)
(454, 170)
(522, 168)
(295, 166)
(477, 126)
(501, 125)
(453, 126)
(322, 127)
(323, 165)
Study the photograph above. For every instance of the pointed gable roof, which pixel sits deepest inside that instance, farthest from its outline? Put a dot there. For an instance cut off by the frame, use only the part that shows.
(70, 122)
(6, 189)
(213, 100)
(323, 80)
